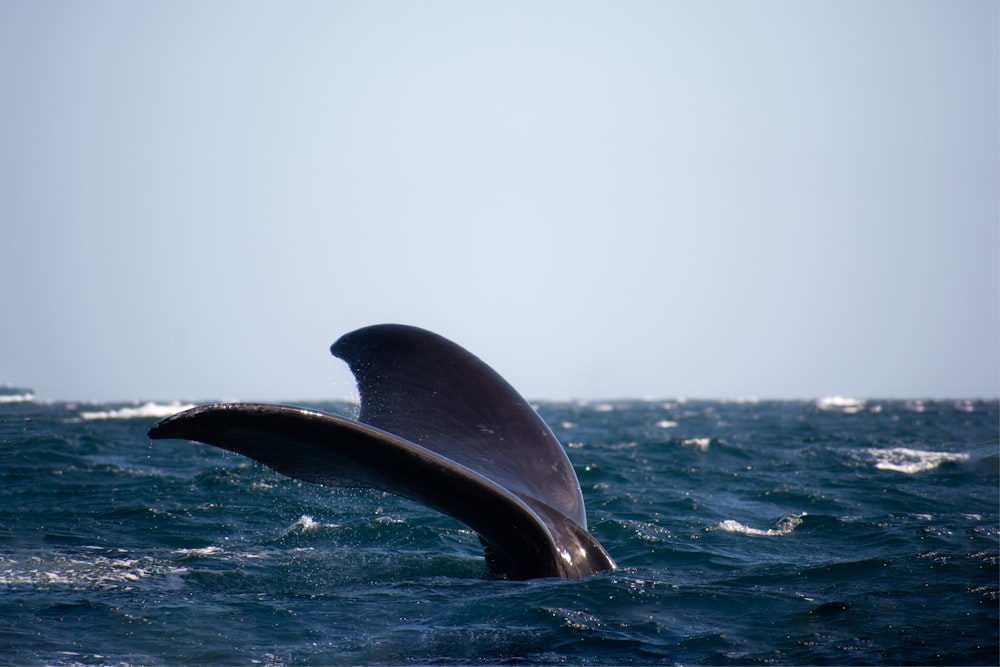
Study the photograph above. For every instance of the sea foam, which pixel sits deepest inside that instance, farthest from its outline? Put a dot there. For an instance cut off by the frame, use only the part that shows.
(848, 405)
(10, 394)
(910, 461)
(150, 409)
(783, 526)
(82, 572)
(304, 524)
(700, 443)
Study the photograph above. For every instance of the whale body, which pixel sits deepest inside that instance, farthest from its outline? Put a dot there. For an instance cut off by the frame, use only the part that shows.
(437, 425)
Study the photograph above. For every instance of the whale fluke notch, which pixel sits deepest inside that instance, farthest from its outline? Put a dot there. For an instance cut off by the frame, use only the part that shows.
(437, 425)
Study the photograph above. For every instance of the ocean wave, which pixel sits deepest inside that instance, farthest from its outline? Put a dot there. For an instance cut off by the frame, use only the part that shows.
(848, 405)
(783, 526)
(10, 394)
(150, 409)
(82, 572)
(910, 461)
(194, 552)
(700, 443)
(304, 524)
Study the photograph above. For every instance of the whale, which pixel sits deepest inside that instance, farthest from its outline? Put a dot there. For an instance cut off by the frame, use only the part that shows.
(436, 425)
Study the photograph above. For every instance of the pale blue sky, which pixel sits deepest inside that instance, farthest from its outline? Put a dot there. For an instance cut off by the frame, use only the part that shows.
(600, 199)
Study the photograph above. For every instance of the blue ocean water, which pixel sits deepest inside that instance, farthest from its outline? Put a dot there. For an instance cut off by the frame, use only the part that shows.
(819, 532)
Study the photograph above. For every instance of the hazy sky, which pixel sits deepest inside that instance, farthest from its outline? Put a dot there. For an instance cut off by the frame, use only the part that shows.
(600, 199)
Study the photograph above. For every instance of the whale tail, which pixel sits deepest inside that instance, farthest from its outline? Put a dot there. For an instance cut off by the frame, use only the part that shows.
(437, 425)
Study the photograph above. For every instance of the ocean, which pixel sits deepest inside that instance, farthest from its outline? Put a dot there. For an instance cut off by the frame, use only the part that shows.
(835, 531)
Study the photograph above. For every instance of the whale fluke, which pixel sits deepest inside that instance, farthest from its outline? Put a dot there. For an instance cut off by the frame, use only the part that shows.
(437, 425)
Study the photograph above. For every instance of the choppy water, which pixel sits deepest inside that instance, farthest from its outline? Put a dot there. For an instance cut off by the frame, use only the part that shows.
(762, 532)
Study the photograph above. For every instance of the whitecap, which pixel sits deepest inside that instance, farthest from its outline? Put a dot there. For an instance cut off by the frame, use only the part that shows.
(910, 461)
(304, 524)
(666, 423)
(82, 573)
(783, 526)
(149, 409)
(10, 394)
(700, 443)
(848, 405)
(204, 551)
